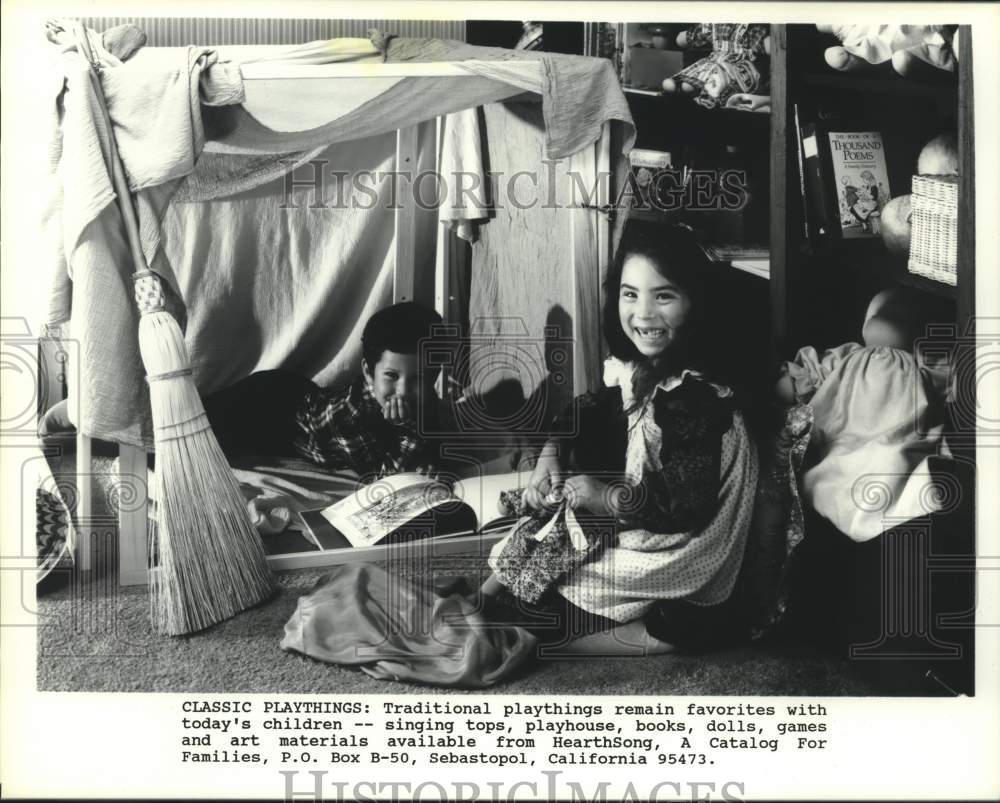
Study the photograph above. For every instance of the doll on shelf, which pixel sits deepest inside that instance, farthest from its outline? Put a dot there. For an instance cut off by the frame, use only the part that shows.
(734, 74)
(877, 418)
(906, 46)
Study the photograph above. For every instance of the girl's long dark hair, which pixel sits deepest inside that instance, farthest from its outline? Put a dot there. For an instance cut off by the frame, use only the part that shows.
(677, 256)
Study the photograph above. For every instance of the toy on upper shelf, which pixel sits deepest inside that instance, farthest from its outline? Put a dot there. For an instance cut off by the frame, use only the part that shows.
(531, 38)
(658, 34)
(939, 157)
(735, 74)
(904, 45)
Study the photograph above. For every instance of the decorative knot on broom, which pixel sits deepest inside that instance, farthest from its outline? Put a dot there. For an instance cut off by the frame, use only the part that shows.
(207, 561)
(149, 295)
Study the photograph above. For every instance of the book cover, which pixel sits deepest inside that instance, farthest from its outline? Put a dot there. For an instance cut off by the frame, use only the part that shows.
(407, 507)
(860, 180)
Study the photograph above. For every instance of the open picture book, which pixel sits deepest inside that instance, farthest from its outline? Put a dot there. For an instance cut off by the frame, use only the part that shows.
(408, 507)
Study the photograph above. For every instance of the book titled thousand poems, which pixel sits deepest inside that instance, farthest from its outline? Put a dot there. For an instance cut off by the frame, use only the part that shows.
(846, 179)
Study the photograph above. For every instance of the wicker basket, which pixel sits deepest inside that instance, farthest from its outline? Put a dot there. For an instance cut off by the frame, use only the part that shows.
(934, 228)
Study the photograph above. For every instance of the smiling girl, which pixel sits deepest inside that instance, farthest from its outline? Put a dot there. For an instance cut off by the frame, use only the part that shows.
(662, 454)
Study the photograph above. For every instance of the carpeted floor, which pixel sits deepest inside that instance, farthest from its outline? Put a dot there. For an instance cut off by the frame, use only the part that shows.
(96, 637)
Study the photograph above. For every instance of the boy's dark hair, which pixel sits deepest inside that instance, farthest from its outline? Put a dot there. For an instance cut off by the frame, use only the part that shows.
(398, 328)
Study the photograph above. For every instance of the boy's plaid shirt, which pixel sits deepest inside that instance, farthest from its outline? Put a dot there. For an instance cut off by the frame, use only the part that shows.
(346, 429)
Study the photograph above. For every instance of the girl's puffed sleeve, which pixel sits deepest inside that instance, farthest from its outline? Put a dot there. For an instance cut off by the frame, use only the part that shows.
(684, 495)
(808, 370)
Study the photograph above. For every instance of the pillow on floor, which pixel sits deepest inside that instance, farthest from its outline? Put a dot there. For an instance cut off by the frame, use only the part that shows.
(52, 533)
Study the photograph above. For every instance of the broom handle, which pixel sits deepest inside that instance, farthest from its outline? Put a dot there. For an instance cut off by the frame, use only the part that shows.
(125, 203)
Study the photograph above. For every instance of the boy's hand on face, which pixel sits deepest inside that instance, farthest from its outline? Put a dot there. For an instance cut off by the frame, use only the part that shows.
(398, 410)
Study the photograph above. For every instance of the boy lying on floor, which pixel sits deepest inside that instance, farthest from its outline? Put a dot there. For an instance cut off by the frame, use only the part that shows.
(372, 426)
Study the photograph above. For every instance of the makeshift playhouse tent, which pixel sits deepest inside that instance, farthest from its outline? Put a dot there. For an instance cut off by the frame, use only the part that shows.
(254, 172)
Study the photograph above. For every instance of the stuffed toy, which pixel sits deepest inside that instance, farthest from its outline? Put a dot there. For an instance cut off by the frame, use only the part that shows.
(531, 38)
(737, 65)
(904, 45)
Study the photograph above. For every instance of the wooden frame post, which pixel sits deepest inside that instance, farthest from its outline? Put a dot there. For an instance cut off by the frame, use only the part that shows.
(133, 521)
(781, 234)
(404, 266)
(590, 240)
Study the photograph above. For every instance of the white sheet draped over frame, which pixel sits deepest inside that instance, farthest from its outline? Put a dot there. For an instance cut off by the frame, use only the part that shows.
(294, 293)
(156, 101)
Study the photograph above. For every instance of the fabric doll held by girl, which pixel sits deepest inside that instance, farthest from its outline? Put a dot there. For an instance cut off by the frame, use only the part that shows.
(660, 458)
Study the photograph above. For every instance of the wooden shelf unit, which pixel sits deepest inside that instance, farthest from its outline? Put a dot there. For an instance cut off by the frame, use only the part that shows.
(681, 119)
(818, 291)
(819, 294)
(882, 80)
(910, 111)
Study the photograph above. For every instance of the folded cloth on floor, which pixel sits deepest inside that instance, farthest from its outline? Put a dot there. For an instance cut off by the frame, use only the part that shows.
(395, 629)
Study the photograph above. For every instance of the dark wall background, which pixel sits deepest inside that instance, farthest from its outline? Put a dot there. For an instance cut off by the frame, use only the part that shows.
(558, 37)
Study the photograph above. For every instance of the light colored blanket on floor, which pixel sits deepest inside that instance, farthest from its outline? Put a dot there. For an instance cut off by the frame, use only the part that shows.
(396, 629)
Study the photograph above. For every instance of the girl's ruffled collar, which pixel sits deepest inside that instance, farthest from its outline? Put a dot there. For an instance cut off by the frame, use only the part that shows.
(618, 373)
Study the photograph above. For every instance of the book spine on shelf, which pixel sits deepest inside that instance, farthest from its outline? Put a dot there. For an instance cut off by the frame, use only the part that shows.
(817, 181)
(806, 216)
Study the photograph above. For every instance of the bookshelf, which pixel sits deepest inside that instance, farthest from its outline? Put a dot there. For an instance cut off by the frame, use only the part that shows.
(881, 79)
(813, 294)
(818, 290)
(691, 122)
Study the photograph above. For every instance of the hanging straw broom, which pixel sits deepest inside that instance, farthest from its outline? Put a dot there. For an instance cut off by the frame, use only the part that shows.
(208, 560)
